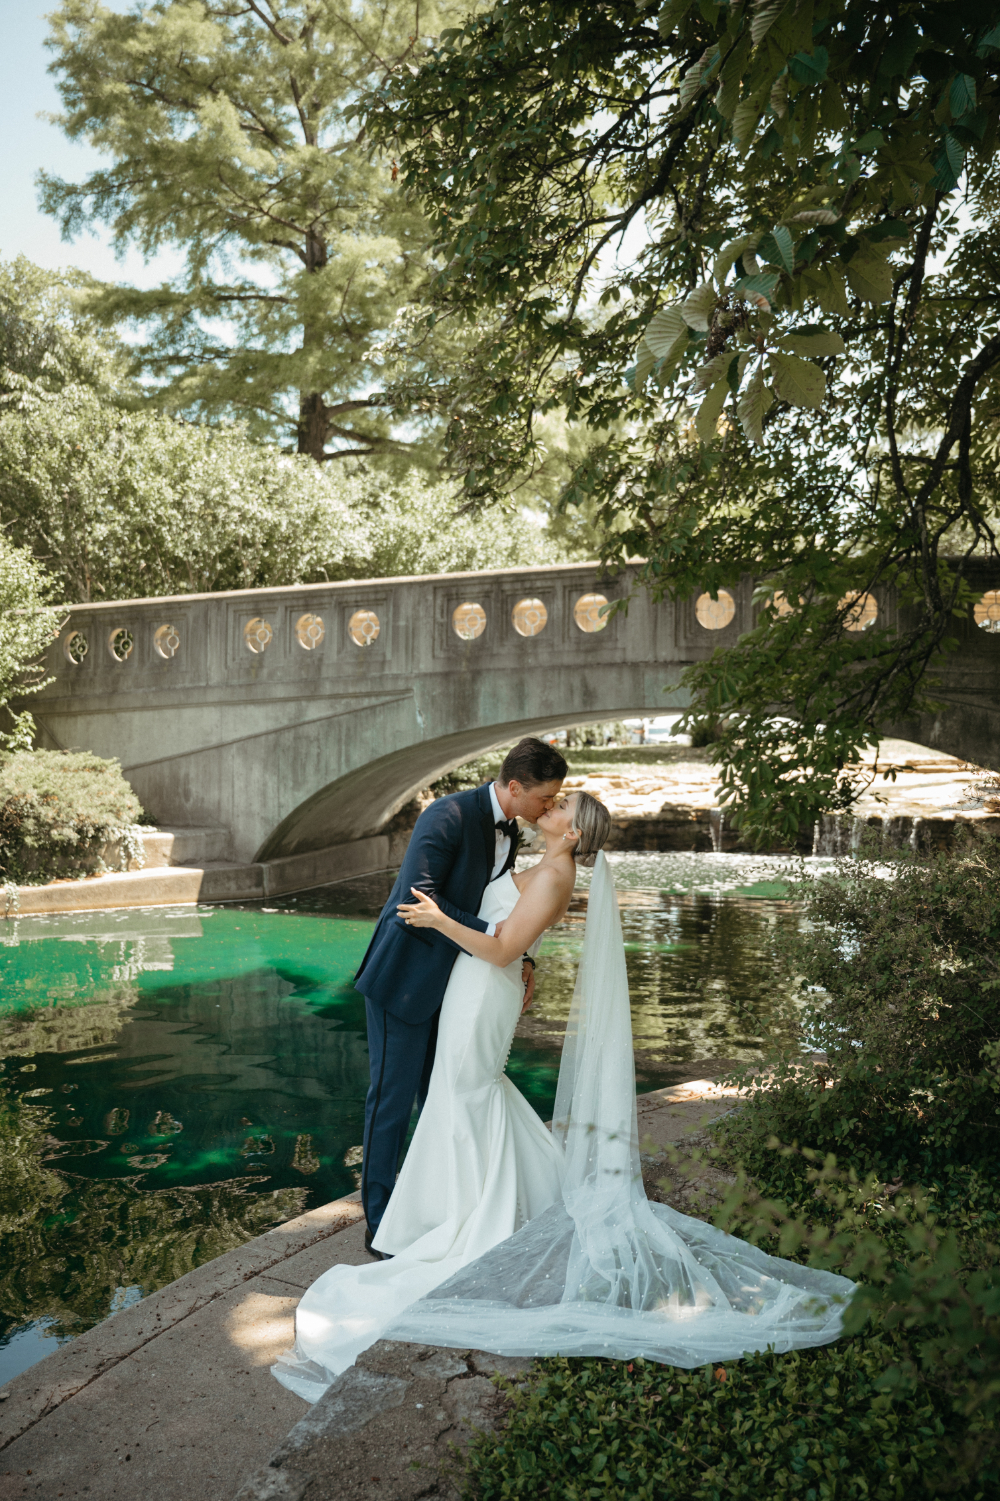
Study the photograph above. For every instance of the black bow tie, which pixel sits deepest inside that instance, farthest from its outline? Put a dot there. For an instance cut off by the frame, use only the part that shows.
(507, 826)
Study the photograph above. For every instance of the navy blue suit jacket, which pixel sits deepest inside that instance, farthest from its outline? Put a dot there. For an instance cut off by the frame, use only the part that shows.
(451, 855)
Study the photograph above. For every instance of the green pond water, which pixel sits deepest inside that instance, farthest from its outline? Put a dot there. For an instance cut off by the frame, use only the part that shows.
(176, 1080)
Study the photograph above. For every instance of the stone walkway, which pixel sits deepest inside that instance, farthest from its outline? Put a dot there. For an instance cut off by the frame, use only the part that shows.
(173, 1400)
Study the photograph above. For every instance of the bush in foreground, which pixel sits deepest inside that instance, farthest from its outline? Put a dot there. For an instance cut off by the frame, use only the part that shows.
(60, 813)
(811, 1425)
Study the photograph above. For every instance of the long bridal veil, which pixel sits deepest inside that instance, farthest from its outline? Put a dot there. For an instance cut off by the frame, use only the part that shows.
(604, 1271)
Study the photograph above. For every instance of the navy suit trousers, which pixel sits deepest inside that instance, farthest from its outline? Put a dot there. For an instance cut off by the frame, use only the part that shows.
(400, 1059)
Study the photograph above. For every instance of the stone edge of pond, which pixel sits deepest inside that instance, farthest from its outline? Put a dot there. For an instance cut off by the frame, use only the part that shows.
(36, 1392)
(210, 881)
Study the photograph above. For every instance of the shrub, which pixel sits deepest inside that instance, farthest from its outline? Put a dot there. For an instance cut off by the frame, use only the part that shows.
(812, 1424)
(59, 813)
(905, 1001)
(906, 1004)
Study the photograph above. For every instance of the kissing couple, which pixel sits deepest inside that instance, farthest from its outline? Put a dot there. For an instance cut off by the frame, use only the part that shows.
(499, 1234)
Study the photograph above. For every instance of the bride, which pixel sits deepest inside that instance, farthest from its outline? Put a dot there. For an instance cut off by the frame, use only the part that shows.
(503, 1237)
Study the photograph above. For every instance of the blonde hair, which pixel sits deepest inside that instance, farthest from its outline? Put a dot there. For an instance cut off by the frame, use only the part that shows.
(593, 821)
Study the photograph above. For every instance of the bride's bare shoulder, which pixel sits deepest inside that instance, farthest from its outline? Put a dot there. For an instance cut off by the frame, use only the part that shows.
(546, 877)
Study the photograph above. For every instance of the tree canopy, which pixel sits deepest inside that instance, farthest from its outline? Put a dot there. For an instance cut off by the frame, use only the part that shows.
(227, 138)
(115, 500)
(753, 247)
(27, 625)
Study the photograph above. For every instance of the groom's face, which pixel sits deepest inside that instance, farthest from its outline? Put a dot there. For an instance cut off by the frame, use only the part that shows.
(531, 801)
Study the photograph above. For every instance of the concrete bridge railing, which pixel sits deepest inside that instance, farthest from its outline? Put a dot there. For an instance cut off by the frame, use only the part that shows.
(301, 719)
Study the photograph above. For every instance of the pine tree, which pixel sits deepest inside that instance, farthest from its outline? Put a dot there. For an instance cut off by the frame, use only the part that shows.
(228, 136)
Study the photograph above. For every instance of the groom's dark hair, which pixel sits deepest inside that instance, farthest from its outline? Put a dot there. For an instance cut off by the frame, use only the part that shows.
(532, 761)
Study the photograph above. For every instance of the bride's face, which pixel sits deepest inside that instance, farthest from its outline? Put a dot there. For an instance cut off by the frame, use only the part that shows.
(559, 818)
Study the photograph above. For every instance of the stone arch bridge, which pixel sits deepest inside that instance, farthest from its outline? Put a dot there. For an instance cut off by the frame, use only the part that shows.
(300, 719)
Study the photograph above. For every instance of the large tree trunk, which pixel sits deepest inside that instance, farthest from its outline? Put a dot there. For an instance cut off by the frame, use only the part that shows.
(314, 425)
(314, 422)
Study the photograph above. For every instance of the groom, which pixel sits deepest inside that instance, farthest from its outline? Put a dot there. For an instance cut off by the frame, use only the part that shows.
(460, 844)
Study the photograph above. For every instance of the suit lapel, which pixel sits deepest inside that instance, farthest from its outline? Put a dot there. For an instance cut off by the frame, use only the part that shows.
(488, 828)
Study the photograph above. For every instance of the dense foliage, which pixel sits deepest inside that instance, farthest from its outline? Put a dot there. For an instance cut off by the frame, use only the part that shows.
(908, 1014)
(119, 501)
(27, 626)
(809, 1425)
(61, 814)
(752, 246)
(226, 137)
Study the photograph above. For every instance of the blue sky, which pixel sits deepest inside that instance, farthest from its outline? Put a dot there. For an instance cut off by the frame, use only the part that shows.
(30, 143)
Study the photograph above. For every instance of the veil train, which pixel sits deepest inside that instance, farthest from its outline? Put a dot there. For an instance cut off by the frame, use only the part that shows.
(605, 1271)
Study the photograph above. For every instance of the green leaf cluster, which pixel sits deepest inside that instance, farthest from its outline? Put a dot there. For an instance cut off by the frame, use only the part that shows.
(116, 500)
(899, 979)
(750, 249)
(27, 625)
(806, 1425)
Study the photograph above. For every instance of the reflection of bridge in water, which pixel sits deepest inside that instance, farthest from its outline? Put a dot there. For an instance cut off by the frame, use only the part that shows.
(301, 719)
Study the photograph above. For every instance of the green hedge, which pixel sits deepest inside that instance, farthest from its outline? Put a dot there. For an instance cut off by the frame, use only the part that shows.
(59, 813)
(811, 1425)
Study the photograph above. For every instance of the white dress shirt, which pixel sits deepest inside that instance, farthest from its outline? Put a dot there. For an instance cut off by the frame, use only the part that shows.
(503, 840)
(502, 848)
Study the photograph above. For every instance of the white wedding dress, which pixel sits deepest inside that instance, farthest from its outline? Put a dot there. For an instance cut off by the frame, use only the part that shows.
(510, 1240)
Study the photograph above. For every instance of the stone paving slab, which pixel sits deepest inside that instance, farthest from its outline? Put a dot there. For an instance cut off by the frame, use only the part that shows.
(388, 1428)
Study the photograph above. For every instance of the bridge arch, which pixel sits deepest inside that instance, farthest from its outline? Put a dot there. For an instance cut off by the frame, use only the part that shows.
(362, 801)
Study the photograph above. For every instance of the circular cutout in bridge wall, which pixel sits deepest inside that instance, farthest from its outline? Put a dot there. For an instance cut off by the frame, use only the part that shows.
(986, 611)
(468, 620)
(120, 644)
(363, 627)
(587, 612)
(75, 648)
(309, 631)
(529, 617)
(258, 635)
(166, 640)
(862, 611)
(715, 614)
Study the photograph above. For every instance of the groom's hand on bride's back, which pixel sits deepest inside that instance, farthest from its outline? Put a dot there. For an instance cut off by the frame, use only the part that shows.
(528, 977)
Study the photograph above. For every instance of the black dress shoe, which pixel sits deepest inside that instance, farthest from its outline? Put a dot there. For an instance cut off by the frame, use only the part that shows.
(378, 1255)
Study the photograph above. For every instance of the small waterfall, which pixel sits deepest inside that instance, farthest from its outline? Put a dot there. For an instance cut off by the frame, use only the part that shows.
(915, 832)
(716, 823)
(837, 834)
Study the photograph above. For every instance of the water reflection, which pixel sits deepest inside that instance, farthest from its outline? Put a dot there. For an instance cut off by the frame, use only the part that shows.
(174, 1081)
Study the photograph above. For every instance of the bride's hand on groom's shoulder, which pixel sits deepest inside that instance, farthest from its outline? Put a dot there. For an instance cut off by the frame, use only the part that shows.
(422, 912)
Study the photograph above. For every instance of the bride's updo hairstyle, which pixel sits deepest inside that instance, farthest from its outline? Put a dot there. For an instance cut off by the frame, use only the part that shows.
(594, 823)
